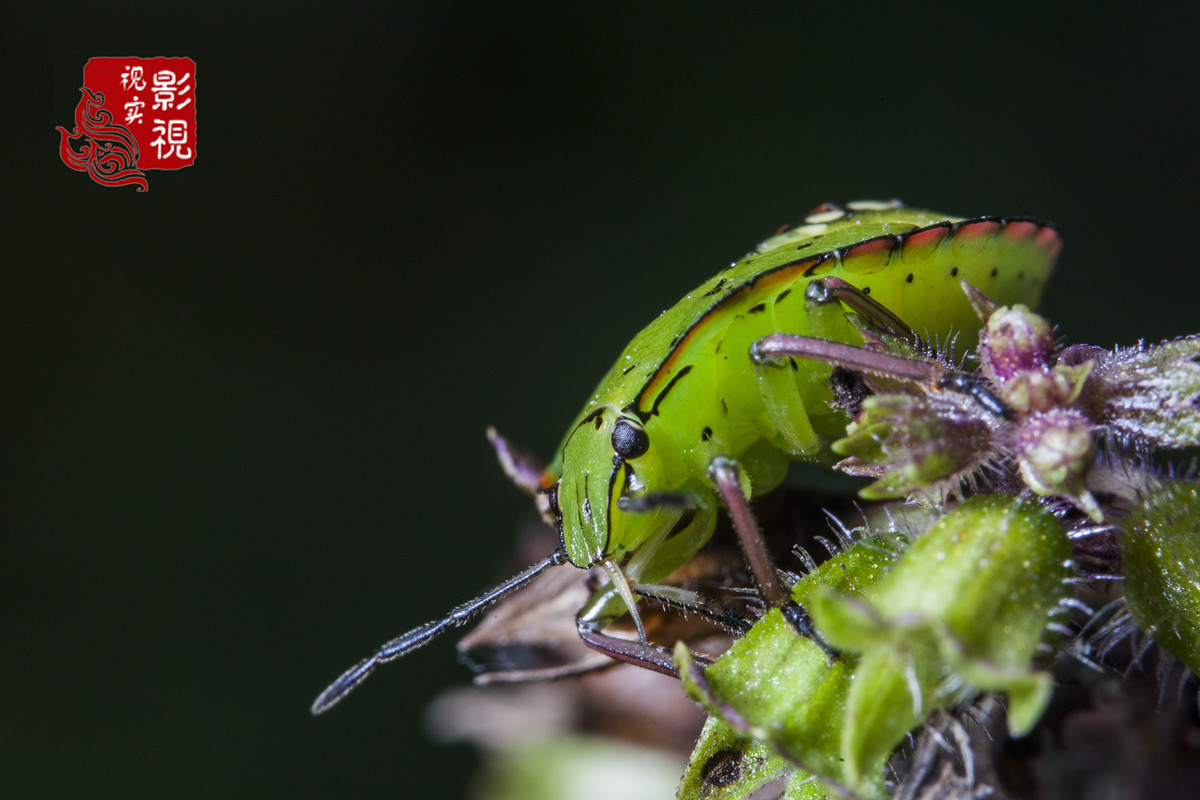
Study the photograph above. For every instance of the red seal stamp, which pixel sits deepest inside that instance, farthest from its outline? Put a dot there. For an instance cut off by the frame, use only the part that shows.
(134, 114)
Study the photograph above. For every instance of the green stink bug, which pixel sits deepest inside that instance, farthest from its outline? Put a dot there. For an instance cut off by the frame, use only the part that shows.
(686, 419)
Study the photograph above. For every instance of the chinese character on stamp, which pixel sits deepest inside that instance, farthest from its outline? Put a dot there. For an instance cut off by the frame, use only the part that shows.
(134, 114)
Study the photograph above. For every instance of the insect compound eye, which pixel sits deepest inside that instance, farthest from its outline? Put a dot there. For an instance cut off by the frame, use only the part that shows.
(629, 440)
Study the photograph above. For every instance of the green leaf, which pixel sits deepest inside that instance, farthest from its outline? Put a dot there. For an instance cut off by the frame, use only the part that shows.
(783, 691)
(1161, 545)
(962, 611)
(727, 765)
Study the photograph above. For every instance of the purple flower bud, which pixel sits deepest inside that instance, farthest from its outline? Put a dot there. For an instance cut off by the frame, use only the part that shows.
(1055, 450)
(1015, 340)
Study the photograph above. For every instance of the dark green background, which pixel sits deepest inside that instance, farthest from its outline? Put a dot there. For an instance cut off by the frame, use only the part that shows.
(245, 411)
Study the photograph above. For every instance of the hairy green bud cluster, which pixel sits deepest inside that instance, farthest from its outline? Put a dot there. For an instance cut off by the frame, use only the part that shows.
(910, 640)
(1026, 418)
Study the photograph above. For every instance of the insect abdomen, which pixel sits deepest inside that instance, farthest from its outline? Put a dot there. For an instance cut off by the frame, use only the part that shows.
(707, 394)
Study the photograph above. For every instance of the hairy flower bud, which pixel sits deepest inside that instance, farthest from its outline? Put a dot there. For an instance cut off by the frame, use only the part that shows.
(1055, 450)
(916, 443)
(1150, 395)
(1015, 341)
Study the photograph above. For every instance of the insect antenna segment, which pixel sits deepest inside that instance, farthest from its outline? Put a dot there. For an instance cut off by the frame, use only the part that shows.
(424, 634)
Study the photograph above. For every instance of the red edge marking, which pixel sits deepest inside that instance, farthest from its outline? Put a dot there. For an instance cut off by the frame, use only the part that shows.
(931, 236)
(875, 245)
(885, 245)
(1021, 229)
(1048, 240)
(983, 227)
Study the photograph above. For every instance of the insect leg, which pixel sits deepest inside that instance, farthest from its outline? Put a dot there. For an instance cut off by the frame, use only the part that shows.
(609, 604)
(648, 656)
(602, 609)
(724, 472)
(784, 383)
(781, 346)
(653, 501)
(621, 584)
(928, 373)
(687, 600)
(423, 634)
(590, 624)
(658, 556)
(827, 290)
(786, 406)
(670, 547)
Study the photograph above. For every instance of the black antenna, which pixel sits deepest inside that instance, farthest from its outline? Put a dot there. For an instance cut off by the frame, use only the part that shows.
(423, 634)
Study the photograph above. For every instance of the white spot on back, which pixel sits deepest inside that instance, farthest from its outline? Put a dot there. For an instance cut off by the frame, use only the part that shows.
(873, 205)
(826, 216)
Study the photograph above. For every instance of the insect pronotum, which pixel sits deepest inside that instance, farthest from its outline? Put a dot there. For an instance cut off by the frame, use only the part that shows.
(686, 420)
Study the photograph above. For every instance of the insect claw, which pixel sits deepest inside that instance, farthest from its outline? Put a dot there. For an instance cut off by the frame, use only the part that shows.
(971, 386)
(798, 617)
